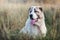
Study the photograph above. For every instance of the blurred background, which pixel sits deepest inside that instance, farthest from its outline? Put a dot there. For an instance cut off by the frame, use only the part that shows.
(13, 15)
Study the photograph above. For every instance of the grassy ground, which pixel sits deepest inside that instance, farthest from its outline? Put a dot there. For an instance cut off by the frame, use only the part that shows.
(13, 18)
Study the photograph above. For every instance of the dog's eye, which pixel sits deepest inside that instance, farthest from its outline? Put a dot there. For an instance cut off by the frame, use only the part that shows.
(36, 11)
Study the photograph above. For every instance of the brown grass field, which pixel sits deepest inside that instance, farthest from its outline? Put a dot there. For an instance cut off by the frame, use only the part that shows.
(13, 17)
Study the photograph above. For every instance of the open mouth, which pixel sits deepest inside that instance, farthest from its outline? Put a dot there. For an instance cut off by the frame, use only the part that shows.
(33, 21)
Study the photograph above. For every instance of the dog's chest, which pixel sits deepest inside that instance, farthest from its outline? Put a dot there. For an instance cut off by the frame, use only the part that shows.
(34, 30)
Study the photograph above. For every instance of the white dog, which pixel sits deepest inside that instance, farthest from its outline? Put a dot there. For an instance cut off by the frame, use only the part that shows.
(35, 24)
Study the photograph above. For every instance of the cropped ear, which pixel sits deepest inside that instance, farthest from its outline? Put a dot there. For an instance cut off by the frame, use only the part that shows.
(30, 10)
(40, 8)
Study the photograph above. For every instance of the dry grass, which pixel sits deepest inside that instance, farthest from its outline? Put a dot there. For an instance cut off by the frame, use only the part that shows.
(13, 18)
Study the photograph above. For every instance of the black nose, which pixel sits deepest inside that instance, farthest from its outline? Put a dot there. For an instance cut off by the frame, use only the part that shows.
(31, 16)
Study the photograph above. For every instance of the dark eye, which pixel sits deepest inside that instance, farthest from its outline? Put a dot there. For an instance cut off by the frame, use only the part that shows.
(36, 11)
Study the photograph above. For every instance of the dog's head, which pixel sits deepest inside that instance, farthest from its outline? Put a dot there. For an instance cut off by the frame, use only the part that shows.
(35, 13)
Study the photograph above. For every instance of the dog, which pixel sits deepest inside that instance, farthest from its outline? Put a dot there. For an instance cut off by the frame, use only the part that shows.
(35, 24)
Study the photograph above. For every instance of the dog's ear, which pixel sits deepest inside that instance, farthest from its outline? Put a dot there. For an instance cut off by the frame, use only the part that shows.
(30, 10)
(40, 8)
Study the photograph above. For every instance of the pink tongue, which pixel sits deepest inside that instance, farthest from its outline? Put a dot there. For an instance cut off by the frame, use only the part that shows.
(33, 21)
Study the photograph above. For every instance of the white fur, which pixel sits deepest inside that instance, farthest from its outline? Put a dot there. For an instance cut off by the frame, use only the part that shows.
(34, 15)
(33, 30)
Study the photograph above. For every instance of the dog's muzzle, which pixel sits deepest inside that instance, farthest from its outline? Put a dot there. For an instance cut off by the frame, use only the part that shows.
(32, 19)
